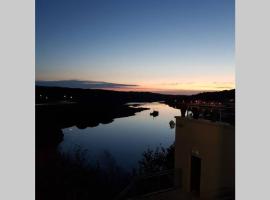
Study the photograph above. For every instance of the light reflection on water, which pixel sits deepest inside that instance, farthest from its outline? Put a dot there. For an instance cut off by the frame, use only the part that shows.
(125, 138)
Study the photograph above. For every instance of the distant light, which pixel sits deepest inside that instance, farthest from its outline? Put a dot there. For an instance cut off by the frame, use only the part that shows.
(40, 95)
(64, 96)
(46, 97)
(71, 97)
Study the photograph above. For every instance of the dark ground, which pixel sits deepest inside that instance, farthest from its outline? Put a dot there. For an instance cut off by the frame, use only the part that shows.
(58, 177)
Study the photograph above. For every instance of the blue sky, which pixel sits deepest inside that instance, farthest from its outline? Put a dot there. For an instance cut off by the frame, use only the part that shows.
(158, 45)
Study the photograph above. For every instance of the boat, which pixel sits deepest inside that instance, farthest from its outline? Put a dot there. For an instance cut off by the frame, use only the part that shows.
(154, 113)
(172, 124)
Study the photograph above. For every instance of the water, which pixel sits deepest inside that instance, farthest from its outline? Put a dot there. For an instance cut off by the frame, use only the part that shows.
(125, 139)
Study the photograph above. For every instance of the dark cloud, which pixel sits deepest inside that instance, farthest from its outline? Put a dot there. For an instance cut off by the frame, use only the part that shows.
(82, 84)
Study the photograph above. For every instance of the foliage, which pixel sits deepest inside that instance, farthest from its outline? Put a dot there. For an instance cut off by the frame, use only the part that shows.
(74, 177)
(157, 160)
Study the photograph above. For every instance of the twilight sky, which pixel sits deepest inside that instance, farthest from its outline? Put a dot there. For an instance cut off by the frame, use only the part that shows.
(172, 46)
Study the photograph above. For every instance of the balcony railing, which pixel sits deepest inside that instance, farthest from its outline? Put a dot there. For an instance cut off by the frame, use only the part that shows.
(151, 183)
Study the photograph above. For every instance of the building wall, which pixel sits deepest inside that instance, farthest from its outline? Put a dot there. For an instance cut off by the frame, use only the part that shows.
(214, 143)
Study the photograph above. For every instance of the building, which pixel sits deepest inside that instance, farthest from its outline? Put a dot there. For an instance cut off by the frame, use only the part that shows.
(205, 155)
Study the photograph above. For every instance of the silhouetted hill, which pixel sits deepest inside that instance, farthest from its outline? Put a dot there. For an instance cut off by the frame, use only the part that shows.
(224, 95)
(53, 94)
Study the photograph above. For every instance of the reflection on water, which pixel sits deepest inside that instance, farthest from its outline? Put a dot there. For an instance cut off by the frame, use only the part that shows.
(125, 138)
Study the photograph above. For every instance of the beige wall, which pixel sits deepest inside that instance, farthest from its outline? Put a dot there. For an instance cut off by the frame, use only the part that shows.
(214, 143)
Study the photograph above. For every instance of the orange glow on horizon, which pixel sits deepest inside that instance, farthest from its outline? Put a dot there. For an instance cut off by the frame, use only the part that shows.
(179, 88)
(175, 84)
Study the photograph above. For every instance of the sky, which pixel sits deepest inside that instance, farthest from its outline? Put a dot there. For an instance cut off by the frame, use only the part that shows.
(172, 46)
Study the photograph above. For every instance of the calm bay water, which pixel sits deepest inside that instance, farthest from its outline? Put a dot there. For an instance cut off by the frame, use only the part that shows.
(125, 139)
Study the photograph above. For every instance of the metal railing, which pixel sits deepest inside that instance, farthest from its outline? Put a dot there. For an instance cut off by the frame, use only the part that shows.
(150, 183)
